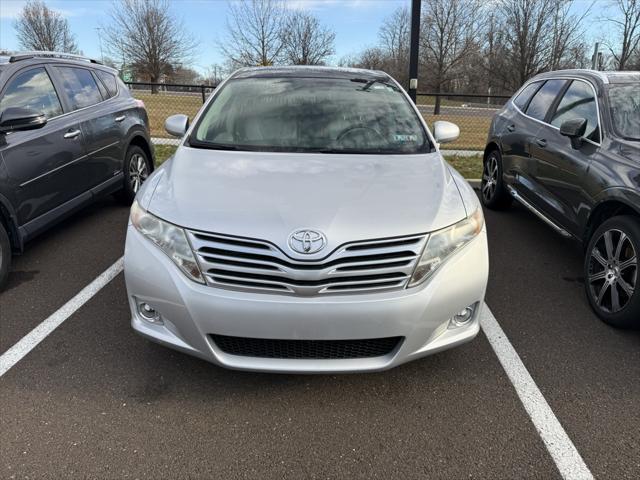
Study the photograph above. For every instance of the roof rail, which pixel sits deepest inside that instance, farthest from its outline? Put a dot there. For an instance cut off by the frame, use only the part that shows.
(44, 54)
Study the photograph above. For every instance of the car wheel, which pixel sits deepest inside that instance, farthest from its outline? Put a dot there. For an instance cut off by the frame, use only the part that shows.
(5, 256)
(493, 190)
(611, 271)
(137, 168)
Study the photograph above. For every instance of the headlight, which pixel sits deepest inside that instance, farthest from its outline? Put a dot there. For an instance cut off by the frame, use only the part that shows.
(170, 239)
(443, 243)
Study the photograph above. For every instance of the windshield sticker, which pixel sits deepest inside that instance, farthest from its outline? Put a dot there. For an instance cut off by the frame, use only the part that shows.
(405, 138)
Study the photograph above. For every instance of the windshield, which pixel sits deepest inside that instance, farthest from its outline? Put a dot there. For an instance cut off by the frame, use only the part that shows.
(625, 110)
(298, 114)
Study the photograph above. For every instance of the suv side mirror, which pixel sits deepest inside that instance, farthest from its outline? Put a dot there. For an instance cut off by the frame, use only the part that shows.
(177, 125)
(574, 129)
(445, 132)
(14, 119)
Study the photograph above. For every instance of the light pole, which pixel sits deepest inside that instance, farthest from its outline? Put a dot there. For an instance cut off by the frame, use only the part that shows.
(413, 52)
(98, 29)
(594, 58)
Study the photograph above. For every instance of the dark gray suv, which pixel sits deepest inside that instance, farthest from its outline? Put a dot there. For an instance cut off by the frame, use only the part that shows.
(567, 147)
(69, 132)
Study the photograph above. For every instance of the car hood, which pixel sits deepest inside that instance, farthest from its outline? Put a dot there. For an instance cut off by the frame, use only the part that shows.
(269, 195)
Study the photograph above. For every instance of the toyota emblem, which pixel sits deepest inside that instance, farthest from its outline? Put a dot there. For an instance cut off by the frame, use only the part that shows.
(307, 241)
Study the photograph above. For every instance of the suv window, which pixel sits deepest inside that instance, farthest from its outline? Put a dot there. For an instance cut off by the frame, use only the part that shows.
(542, 100)
(578, 102)
(33, 90)
(101, 87)
(527, 92)
(109, 82)
(80, 87)
(624, 101)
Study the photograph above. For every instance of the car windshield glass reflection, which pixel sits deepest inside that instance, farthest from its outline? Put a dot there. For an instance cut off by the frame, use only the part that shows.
(311, 115)
(624, 102)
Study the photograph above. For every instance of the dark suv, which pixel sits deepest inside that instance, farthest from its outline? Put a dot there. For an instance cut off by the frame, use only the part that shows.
(567, 147)
(69, 132)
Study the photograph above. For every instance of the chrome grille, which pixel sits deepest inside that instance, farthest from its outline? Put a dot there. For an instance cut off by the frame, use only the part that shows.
(250, 264)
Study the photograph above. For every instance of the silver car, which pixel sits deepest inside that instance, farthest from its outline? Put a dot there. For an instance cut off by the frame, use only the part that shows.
(307, 223)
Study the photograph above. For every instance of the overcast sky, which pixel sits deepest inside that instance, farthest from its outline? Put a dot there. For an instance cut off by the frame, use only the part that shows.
(356, 22)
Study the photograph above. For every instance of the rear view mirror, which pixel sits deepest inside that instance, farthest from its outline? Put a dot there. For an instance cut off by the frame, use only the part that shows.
(177, 125)
(574, 129)
(14, 119)
(445, 132)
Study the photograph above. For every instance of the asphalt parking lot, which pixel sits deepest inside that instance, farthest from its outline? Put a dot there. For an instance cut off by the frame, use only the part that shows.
(95, 400)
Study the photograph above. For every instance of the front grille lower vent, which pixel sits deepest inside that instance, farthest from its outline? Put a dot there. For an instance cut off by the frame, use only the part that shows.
(251, 264)
(306, 349)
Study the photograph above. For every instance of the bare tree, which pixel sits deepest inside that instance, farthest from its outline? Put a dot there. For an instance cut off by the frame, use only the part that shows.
(147, 36)
(449, 32)
(627, 27)
(539, 35)
(493, 55)
(40, 28)
(254, 30)
(305, 41)
(567, 48)
(394, 36)
(373, 58)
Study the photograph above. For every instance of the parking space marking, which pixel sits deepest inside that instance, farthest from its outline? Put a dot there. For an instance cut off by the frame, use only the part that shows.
(560, 447)
(38, 334)
(562, 450)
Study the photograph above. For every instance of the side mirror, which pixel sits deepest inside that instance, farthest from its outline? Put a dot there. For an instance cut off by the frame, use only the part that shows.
(574, 129)
(445, 132)
(14, 119)
(177, 125)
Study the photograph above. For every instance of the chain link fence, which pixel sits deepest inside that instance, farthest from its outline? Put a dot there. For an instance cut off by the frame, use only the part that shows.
(165, 99)
(471, 112)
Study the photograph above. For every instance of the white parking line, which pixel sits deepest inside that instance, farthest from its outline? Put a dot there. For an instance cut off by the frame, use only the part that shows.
(35, 336)
(560, 447)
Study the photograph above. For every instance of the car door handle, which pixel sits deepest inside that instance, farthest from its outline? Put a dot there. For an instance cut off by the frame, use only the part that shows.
(541, 142)
(72, 134)
(511, 127)
(120, 118)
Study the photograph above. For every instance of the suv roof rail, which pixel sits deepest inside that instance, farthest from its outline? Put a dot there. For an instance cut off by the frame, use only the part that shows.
(44, 54)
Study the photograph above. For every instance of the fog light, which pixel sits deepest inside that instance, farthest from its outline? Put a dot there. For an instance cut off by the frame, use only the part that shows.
(463, 317)
(148, 313)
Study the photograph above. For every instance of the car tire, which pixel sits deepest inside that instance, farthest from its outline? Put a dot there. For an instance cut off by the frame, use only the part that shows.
(5, 256)
(611, 271)
(493, 191)
(137, 167)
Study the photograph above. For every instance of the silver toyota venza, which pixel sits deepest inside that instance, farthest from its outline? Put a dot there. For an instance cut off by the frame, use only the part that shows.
(307, 223)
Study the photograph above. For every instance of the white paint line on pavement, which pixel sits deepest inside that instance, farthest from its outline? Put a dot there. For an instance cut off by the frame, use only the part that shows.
(38, 334)
(560, 447)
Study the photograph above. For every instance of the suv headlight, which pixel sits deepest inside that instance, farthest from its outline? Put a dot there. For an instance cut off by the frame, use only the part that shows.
(170, 239)
(445, 242)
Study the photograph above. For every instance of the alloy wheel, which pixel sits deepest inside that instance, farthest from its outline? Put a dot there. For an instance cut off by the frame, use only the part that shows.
(138, 171)
(613, 271)
(490, 178)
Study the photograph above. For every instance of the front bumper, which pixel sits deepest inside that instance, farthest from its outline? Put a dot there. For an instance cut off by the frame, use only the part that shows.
(191, 312)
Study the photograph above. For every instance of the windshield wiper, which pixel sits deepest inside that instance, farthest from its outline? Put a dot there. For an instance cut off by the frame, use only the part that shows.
(214, 146)
(368, 83)
(354, 151)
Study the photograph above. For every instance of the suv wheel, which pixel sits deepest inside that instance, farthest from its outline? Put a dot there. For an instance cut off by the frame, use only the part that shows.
(5, 256)
(611, 271)
(137, 168)
(494, 192)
